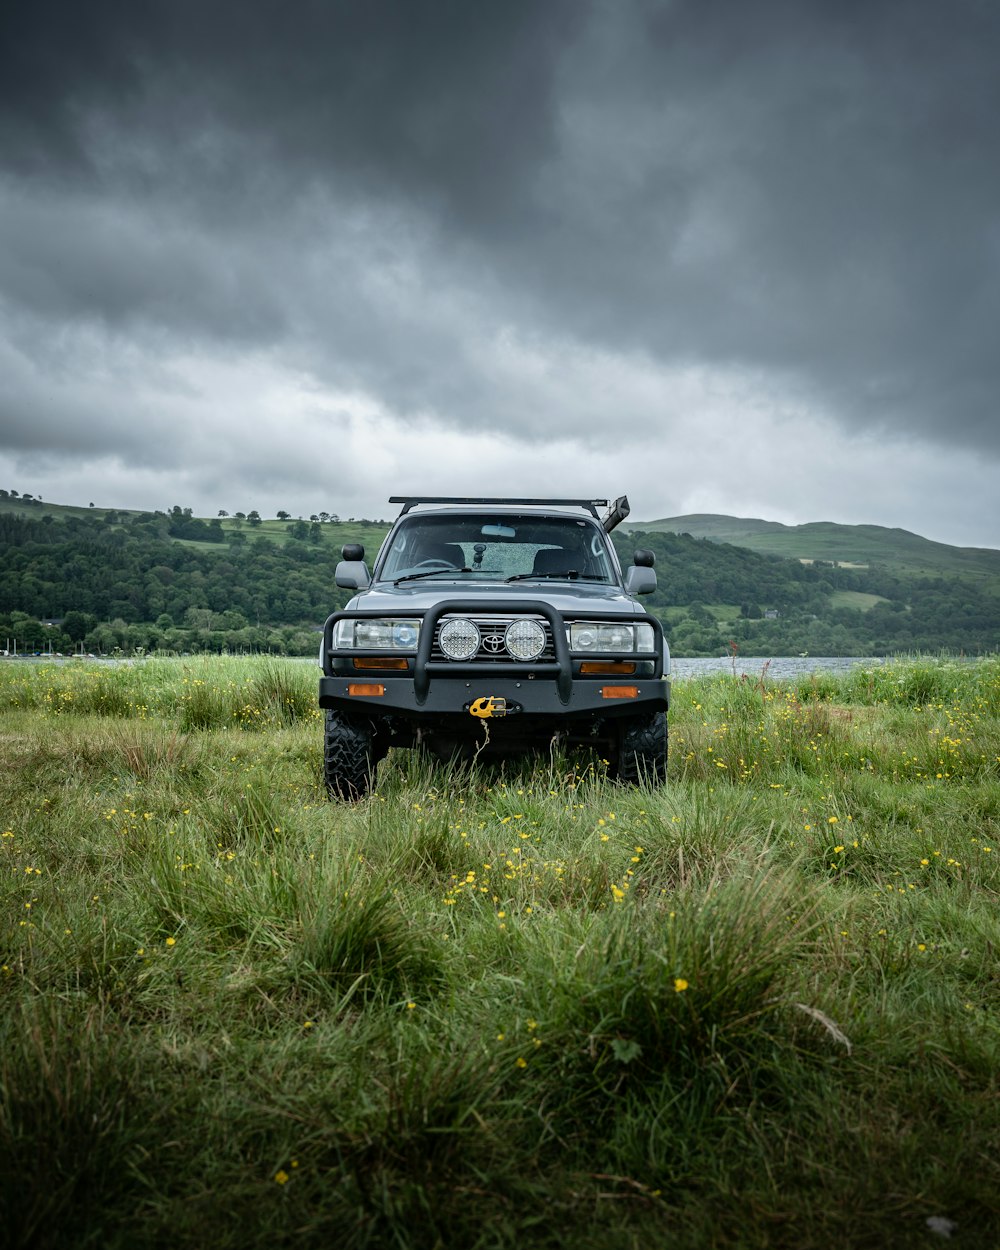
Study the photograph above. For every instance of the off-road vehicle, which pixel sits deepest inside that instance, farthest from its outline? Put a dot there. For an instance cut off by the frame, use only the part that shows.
(494, 626)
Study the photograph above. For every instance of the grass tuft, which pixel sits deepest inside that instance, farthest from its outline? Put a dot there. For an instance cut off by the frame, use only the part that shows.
(498, 1006)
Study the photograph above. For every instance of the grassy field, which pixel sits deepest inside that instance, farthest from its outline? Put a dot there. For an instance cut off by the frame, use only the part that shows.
(853, 546)
(855, 599)
(332, 534)
(759, 1007)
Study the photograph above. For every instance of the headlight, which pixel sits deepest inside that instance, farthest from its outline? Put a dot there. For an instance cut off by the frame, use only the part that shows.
(602, 636)
(377, 635)
(459, 639)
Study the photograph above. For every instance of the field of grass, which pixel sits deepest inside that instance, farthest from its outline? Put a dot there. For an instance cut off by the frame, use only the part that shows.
(758, 1007)
(722, 612)
(332, 533)
(853, 546)
(855, 599)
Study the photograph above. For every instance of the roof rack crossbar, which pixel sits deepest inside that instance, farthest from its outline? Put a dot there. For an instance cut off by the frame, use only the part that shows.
(411, 501)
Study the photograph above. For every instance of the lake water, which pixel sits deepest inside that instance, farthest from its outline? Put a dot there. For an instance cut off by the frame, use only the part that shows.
(780, 667)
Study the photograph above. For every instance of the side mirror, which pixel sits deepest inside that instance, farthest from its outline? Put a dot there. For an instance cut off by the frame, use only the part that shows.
(352, 572)
(352, 575)
(640, 580)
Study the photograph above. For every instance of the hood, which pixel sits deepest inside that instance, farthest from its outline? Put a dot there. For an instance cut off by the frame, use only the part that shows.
(565, 597)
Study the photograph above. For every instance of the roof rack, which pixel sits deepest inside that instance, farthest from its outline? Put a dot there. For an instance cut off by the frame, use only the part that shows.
(411, 501)
(617, 513)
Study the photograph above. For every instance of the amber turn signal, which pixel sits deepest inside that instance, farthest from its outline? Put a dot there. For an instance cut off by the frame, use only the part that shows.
(381, 661)
(366, 687)
(609, 666)
(619, 692)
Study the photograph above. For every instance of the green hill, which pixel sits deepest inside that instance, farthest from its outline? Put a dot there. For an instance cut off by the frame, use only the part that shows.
(897, 550)
(333, 533)
(99, 579)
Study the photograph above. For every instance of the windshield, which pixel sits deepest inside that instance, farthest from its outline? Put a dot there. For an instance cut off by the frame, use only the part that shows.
(497, 548)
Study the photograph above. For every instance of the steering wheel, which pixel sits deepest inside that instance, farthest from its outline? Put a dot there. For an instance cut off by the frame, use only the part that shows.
(445, 564)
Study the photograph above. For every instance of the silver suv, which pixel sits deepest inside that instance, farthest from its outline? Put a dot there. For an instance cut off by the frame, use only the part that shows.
(494, 626)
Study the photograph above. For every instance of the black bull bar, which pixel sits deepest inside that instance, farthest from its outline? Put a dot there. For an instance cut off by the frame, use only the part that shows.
(425, 668)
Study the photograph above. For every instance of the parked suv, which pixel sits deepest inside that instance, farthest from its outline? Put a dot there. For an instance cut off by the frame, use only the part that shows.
(494, 626)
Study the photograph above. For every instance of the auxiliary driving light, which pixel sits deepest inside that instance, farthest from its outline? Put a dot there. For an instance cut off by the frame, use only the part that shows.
(459, 639)
(525, 639)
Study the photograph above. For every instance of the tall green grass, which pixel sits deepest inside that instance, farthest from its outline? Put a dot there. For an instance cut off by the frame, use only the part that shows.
(502, 1007)
(196, 693)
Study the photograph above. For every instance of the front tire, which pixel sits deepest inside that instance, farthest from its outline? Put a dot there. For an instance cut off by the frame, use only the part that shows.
(349, 760)
(642, 753)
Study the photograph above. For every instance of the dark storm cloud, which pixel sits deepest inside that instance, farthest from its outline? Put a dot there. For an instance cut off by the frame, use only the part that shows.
(222, 171)
(448, 98)
(811, 188)
(84, 258)
(807, 191)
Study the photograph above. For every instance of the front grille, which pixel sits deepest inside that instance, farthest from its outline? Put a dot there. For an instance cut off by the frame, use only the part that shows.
(491, 647)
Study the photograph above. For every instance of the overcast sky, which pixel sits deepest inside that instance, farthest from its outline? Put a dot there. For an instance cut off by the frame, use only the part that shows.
(737, 256)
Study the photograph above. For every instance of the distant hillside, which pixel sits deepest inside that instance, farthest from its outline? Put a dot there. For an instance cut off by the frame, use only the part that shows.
(330, 532)
(104, 579)
(866, 545)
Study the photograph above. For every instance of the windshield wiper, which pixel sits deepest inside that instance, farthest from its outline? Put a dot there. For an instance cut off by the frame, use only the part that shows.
(412, 577)
(570, 575)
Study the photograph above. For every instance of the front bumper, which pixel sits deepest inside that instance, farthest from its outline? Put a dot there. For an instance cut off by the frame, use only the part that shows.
(497, 690)
(494, 697)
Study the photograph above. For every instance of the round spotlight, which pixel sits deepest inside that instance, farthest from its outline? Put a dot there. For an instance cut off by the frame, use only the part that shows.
(459, 639)
(525, 640)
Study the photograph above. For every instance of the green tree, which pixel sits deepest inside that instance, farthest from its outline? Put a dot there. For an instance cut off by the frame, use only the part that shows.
(76, 625)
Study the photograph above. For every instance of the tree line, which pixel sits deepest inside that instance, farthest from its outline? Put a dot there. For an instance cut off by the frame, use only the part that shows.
(122, 581)
(172, 581)
(786, 607)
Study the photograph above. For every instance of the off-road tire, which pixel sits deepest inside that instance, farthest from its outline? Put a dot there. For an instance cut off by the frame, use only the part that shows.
(642, 754)
(349, 760)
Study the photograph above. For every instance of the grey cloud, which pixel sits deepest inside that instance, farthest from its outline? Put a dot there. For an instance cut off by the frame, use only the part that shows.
(805, 195)
(844, 168)
(70, 401)
(84, 258)
(448, 99)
